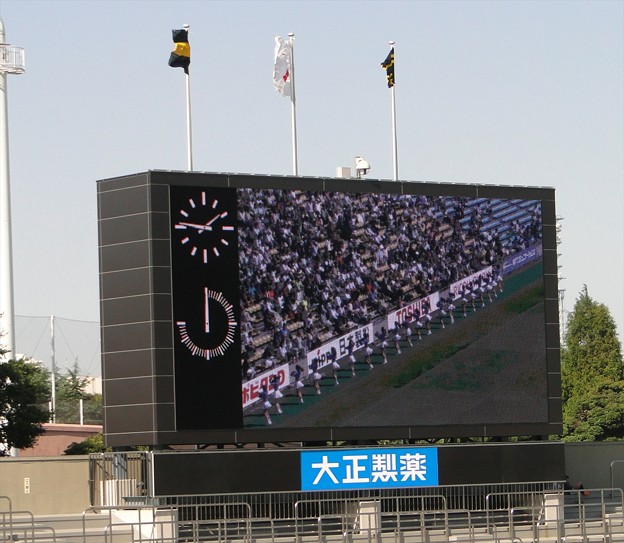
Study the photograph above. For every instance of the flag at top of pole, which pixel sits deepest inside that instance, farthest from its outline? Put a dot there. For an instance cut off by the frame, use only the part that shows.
(282, 71)
(388, 65)
(181, 54)
(284, 83)
(181, 58)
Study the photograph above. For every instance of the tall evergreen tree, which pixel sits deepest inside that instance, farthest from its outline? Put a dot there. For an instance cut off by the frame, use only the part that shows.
(592, 374)
(71, 386)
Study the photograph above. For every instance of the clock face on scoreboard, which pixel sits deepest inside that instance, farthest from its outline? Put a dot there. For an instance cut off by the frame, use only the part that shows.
(206, 307)
(205, 227)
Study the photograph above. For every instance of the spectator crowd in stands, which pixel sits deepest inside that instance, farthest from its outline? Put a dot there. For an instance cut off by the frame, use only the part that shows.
(315, 265)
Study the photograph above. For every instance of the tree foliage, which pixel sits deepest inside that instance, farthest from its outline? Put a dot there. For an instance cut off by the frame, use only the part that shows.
(592, 374)
(95, 444)
(91, 444)
(70, 386)
(597, 415)
(24, 387)
(70, 391)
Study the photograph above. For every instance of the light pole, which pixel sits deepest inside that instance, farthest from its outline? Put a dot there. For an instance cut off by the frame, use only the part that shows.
(11, 62)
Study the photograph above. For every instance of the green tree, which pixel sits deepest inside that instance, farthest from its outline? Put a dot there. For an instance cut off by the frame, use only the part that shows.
(91, 444)
(70, 390)
(95, 444)
(24, 387)
(92, 409)
(70, 386)
(592, 374)
(597, 415)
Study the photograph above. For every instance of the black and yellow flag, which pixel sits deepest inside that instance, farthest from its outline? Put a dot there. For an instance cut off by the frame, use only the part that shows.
(388, 64)
(181, 54)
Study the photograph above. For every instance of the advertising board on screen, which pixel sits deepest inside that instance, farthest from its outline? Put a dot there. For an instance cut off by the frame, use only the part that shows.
(329, 312)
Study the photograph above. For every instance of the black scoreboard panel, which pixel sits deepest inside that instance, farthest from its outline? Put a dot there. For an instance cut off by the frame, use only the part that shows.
(206, 311)
(203, 275)
(236, 472)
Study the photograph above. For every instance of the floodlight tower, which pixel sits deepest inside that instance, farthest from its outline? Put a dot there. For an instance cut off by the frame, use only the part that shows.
(11, 62)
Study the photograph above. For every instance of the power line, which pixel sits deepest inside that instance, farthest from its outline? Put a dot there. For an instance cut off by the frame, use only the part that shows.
(79, 342)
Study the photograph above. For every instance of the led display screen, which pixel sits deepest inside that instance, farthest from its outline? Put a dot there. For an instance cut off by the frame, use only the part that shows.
(296, 310)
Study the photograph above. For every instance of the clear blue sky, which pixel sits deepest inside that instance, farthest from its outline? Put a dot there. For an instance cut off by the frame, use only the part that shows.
(513, 93)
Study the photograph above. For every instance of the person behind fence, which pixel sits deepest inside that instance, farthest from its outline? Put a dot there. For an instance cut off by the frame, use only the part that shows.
(581, 488)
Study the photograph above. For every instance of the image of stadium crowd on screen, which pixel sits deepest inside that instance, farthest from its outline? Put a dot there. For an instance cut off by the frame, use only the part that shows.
(332, 283)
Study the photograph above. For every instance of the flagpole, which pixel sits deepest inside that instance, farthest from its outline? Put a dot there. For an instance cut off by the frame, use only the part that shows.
(293, 109)
(189, 132)
(395, 164)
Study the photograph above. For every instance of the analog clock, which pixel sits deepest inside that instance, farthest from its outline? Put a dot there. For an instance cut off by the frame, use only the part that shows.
(211, 335)
(205, 227)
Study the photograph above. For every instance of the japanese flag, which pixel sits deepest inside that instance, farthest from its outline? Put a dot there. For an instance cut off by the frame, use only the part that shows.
(281, 71)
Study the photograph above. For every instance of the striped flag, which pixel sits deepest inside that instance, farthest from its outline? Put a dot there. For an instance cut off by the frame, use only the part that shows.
(388, 64)
(181, 54)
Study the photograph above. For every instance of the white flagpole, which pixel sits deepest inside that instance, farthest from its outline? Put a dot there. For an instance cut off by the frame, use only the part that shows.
(189, 133)
(293, 109)
(395, 163)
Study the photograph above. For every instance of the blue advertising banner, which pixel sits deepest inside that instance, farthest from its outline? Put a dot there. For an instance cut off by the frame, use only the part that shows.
(519, 259)
(375, 468)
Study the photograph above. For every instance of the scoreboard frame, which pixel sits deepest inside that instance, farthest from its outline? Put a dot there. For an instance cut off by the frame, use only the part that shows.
(152, 390)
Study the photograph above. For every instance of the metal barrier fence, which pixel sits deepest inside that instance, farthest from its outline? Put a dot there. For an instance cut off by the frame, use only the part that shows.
(126, 479)
(552, 516)
(515, 512)
(120, 478)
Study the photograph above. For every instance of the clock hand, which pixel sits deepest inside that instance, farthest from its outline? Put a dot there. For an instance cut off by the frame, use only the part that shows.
(217, 216)
(196, 226)
(206, 312)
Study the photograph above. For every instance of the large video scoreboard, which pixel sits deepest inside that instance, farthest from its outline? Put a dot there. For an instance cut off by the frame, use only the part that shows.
(238, 308)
